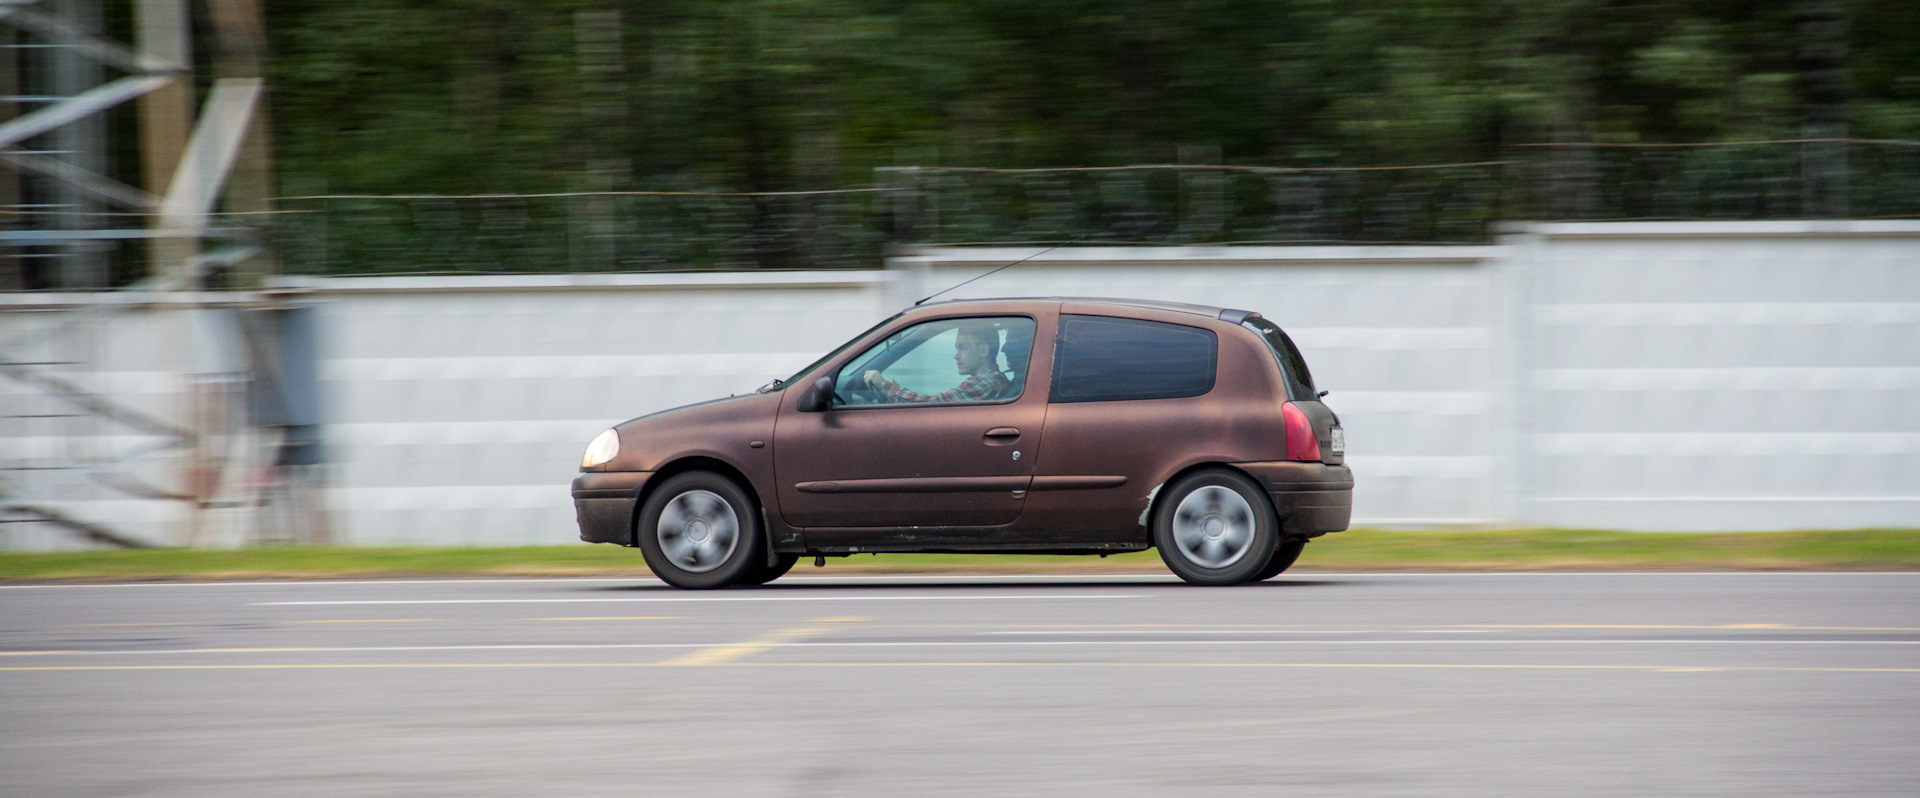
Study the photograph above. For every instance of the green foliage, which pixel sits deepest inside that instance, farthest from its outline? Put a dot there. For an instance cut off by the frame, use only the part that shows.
(456, 96)
(532, 96)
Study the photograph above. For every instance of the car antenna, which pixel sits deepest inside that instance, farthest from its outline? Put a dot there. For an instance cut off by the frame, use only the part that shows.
(997, 271)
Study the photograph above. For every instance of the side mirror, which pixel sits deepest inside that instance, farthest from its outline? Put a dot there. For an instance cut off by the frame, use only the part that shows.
(818, 396)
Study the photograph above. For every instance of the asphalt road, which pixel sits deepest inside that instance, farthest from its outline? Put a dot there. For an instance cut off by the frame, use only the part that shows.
(1341, 685)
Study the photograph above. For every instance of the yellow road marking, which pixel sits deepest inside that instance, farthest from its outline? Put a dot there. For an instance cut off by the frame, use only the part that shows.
(670, 663)
(615, 618)
(719, 655)
(373, 620)
(723, 654)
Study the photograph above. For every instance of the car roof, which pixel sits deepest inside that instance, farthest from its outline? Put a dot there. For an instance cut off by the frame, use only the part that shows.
(1152, 304)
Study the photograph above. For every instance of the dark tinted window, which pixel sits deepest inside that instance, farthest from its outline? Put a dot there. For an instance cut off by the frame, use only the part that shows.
(1099, 359)
(1299, 380)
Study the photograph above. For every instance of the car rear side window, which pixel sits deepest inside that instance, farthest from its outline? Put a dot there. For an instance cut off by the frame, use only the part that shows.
(1299, 380)
(1103, 359)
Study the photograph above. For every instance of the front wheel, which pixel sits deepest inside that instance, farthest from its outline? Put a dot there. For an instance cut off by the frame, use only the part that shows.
(1215, 527)
(699, 531)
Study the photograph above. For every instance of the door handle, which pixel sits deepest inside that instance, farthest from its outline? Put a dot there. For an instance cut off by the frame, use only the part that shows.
(1002, 435)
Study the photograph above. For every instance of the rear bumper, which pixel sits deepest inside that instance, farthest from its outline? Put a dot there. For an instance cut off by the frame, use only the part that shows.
(603, 505)
(1312, 499)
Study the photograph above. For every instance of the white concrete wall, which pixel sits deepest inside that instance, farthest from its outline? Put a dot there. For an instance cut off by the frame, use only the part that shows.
(1638, 376)
(1722, 376)
(457, 408)
(173, 361)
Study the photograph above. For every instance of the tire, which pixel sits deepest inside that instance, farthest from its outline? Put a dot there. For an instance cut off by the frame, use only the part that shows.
(766, 573)
(1215, 527)
(1283, 558)
(700, 531)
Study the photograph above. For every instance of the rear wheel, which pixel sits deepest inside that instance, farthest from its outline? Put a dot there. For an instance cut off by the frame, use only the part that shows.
(1215, 527)
(1283, 558)
(699, 531)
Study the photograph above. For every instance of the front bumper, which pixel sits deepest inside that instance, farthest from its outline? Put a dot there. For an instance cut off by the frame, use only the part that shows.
(603, 505)
(1312, 499)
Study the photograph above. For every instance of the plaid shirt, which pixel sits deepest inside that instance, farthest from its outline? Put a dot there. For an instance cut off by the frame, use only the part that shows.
(984, 386)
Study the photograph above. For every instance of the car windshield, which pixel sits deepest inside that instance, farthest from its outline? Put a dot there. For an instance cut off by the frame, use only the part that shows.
(1299, 380)
(778, 384)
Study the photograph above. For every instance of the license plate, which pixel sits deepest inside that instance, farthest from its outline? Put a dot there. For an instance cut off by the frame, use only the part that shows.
(1339, 441)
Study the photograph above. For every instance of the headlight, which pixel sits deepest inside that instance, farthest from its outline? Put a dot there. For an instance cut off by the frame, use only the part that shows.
(604, 447)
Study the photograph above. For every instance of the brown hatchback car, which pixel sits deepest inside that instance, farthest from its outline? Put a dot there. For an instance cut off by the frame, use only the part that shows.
(1062, 426)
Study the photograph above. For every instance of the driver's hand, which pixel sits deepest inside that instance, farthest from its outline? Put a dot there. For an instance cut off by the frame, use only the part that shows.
(873, 379)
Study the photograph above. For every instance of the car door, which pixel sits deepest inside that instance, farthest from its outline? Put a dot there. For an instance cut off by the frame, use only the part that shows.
(1128, 398)
(921, 449)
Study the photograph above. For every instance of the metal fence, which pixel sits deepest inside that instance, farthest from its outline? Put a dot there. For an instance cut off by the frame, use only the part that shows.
(580, 232)
(326, 234)
(1451, 203)
(1816, 178)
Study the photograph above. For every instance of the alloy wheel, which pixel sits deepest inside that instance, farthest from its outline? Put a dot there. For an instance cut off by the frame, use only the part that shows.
(1213, 526)
(698, 530)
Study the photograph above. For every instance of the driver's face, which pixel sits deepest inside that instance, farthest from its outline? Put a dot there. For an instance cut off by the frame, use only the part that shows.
(969, 357)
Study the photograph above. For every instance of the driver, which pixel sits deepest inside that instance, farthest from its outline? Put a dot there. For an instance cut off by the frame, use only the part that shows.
(975, 350)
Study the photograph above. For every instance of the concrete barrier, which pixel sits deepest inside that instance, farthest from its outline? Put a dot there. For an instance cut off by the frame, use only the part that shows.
(1682, 376)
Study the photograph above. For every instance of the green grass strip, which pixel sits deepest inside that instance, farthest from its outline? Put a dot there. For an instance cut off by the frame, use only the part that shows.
(1355, 550)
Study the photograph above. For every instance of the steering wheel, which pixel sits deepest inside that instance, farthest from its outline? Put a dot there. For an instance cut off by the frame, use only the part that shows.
(861, 394)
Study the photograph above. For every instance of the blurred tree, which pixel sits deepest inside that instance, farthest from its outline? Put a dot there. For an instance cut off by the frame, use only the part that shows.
(1884, 69)
(765, 95)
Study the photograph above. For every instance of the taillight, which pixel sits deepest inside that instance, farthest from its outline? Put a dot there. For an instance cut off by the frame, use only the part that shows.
(1302, 444)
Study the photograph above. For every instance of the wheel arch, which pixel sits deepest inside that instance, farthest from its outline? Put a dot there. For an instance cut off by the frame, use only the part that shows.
(696, 463)
(1160, 490)
(1250, 560)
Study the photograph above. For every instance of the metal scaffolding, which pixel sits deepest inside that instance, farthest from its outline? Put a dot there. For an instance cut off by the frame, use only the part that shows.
(70, 223)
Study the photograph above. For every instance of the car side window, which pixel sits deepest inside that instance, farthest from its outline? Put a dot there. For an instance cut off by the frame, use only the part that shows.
(945, 361)
(1102, 359)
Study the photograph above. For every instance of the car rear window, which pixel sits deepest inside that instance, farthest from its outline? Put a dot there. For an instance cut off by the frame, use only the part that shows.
(1102, 359)
(1299, 380)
